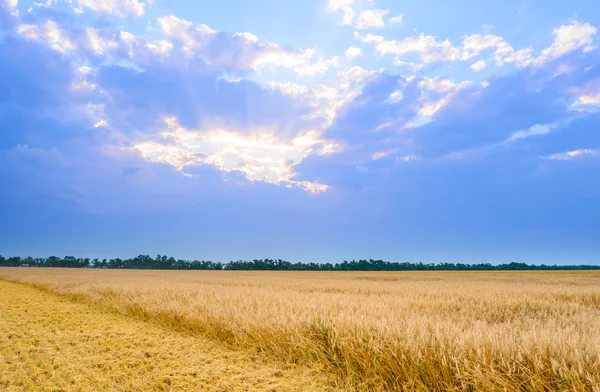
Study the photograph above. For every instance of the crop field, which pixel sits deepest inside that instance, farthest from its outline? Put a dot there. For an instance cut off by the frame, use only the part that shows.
(73, 329)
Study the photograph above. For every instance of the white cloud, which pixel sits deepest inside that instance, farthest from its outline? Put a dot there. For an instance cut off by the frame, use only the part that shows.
(368, 38)
(50, 33)
(348, 16)
(479, 65)
(590, 99)
(355, 75)
(537, 129)
(446, 90)
(9, 4)
(397, 19)
(412, 66)
(568, 38)
(185, 32)
(173, 155)
(335, 5)
(348, 13)
(259, 156)
(81, 83)
(160, 48)
(275, 55)
(426, 46)
(239, 50)
(353, 52)
(120, 8)
(371, 19)
(324, 92)
(521, 58)
(99, 45)
(382, 154)
(317, 67)
(437, 84)
(289, 88)
(320, 92)
(474, 44)
(567, 156)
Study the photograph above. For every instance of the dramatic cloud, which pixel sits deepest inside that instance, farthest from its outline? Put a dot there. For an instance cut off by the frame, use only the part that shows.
(260, 156)
(127, 109)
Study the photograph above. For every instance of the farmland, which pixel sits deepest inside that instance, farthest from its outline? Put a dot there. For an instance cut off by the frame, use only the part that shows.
(513, 331)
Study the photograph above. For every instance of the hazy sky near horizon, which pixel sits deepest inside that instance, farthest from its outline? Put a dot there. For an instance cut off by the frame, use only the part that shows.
(314, 130)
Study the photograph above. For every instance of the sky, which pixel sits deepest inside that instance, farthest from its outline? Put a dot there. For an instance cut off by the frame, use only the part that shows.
(314, 130)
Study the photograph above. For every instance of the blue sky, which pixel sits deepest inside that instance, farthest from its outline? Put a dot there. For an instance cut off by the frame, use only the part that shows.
(317, 130)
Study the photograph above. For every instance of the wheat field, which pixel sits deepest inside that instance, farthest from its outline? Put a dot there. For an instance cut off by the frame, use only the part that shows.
(407, 331)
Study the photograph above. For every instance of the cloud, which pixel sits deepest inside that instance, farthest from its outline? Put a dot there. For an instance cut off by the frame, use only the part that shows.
(260, 156)
(575, 154)
(120, 8)
(346, 6)
(437, 84)
(50, 33)
(414, 67)
(355, 75)
(318, 67)
(9, 4)
(478, 65)
(240, 51)
(428, 48)
(368, 38)
(83, 109)
(185, 45)
(289, 88)
(534, 130)
(522, 57)
(397, 19)
(371, 19)
(590, 99)
(353, 52)
(568, 38)
(589, 92)
(474, 44)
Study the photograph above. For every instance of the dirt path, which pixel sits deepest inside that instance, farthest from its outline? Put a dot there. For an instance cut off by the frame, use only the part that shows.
(49, 343)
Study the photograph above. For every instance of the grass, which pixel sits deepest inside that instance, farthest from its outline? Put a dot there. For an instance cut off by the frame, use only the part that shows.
(452, 331)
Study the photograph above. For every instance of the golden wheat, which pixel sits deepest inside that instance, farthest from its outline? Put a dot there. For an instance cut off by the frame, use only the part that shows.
(511, 331)
(49, 343)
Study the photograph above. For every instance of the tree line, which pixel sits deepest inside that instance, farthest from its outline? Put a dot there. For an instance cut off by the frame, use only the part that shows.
(170, 263)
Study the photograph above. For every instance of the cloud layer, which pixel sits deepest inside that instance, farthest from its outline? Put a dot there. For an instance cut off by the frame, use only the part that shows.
(100, 116)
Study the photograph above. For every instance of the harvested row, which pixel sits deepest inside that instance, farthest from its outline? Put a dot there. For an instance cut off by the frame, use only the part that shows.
(50, 343)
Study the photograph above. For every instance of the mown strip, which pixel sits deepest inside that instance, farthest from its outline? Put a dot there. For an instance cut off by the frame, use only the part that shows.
(48, 342)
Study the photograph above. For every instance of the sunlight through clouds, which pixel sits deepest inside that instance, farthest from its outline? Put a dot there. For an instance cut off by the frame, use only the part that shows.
(260, 155)
(392, 112)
